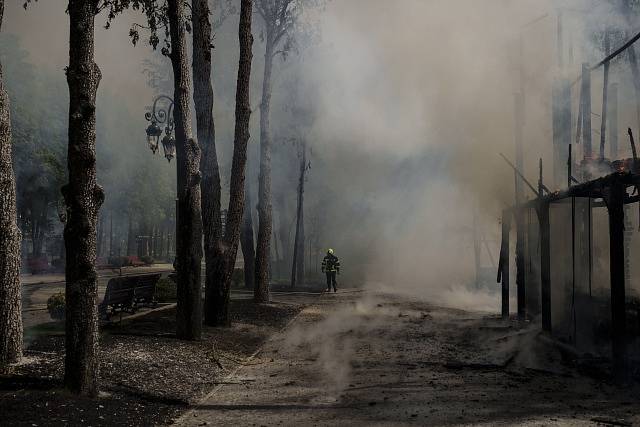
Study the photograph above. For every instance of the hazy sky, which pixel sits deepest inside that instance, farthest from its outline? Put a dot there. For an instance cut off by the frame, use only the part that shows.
(43, 31)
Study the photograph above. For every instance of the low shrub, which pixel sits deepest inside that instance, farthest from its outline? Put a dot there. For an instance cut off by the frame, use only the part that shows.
(147, 259)
(56, 306)
(118, 261)
(166, 291)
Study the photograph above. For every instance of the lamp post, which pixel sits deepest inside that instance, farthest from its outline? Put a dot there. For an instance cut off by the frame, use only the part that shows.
(161, 114)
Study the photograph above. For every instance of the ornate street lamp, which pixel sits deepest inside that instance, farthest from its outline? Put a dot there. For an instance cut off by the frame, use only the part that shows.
(161, 113)
(153, 136)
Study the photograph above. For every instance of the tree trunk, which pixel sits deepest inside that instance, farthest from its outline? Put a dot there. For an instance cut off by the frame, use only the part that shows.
(276, 272)
(189, 229)
(10, 302)
(263, 253)
(162, 239)
(203, 98)
(303, 171)
(283, 232)
(83, 198)
(35, 236)
(100, 244)
(131, 241)
(111, 234)
(246, 239)
(297, 271)
(236, 187)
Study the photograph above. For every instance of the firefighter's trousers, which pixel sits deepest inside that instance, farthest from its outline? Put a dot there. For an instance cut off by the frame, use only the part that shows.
(331, 280)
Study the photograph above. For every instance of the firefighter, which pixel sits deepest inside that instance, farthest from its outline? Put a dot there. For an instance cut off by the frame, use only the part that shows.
(331, 266)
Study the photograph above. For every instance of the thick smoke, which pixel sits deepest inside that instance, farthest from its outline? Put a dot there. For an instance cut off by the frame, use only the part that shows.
(414, 103)
(411, 102)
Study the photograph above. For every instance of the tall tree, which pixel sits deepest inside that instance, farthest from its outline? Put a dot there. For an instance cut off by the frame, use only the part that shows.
(10, 302)
(83, 198)
(237, 184)
(247, 242)
(280, 18)
(203, 99)
(277, 23)
(297, 269)
(189, 227)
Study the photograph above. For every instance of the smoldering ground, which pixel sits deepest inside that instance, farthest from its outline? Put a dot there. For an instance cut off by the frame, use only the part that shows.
(333, 338)
(414, 101)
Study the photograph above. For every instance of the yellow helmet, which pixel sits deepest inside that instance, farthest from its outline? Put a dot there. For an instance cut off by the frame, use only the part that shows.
(330, 251)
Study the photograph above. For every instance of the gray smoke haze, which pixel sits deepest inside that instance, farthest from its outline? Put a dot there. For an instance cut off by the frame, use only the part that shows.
(411, 101)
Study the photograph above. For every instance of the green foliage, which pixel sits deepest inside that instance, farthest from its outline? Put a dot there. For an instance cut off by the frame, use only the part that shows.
(56, 306)
(136, 183)
(39, 124)
(166, 291)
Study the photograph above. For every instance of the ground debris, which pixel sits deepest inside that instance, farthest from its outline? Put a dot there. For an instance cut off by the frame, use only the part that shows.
(611, 421)
(147, 376)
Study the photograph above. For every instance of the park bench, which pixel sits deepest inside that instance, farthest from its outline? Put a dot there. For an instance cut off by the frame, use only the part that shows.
(128, 293)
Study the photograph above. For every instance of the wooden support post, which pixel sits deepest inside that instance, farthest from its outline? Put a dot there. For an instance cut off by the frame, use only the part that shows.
(613, 121)
(520, 232)
(545, 265)
(503, 266)
(520, 266)
(477, 248)
(616, 266)
(561, 114)
(605, 94)
(586, 110)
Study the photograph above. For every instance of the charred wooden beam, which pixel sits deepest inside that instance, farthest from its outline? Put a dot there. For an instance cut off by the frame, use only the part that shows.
(594, 189)
(503, 264)
(519, 192)
(515, 169)
(615, 204)
(586, 110)
(613, 121)
(605, 94)
(545, 264)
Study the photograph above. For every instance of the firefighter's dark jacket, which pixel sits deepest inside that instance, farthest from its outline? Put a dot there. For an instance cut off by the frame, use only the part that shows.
(330, 263)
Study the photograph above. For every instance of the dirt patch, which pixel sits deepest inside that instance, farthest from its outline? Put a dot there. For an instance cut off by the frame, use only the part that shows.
(147, 376)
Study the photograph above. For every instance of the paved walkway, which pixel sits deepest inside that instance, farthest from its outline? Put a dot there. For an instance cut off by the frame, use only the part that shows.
(363, 359)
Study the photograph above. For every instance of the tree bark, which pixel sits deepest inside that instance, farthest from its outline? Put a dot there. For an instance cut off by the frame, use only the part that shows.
(189, 228)
(301, 237)
(283, 232)
(203, 99)
(100, 244)
(131, 240)
(10, 302)
(83, 198)
(263, 245)
(246, 242)
(297, 269)
(111, 234)
(236, 187)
